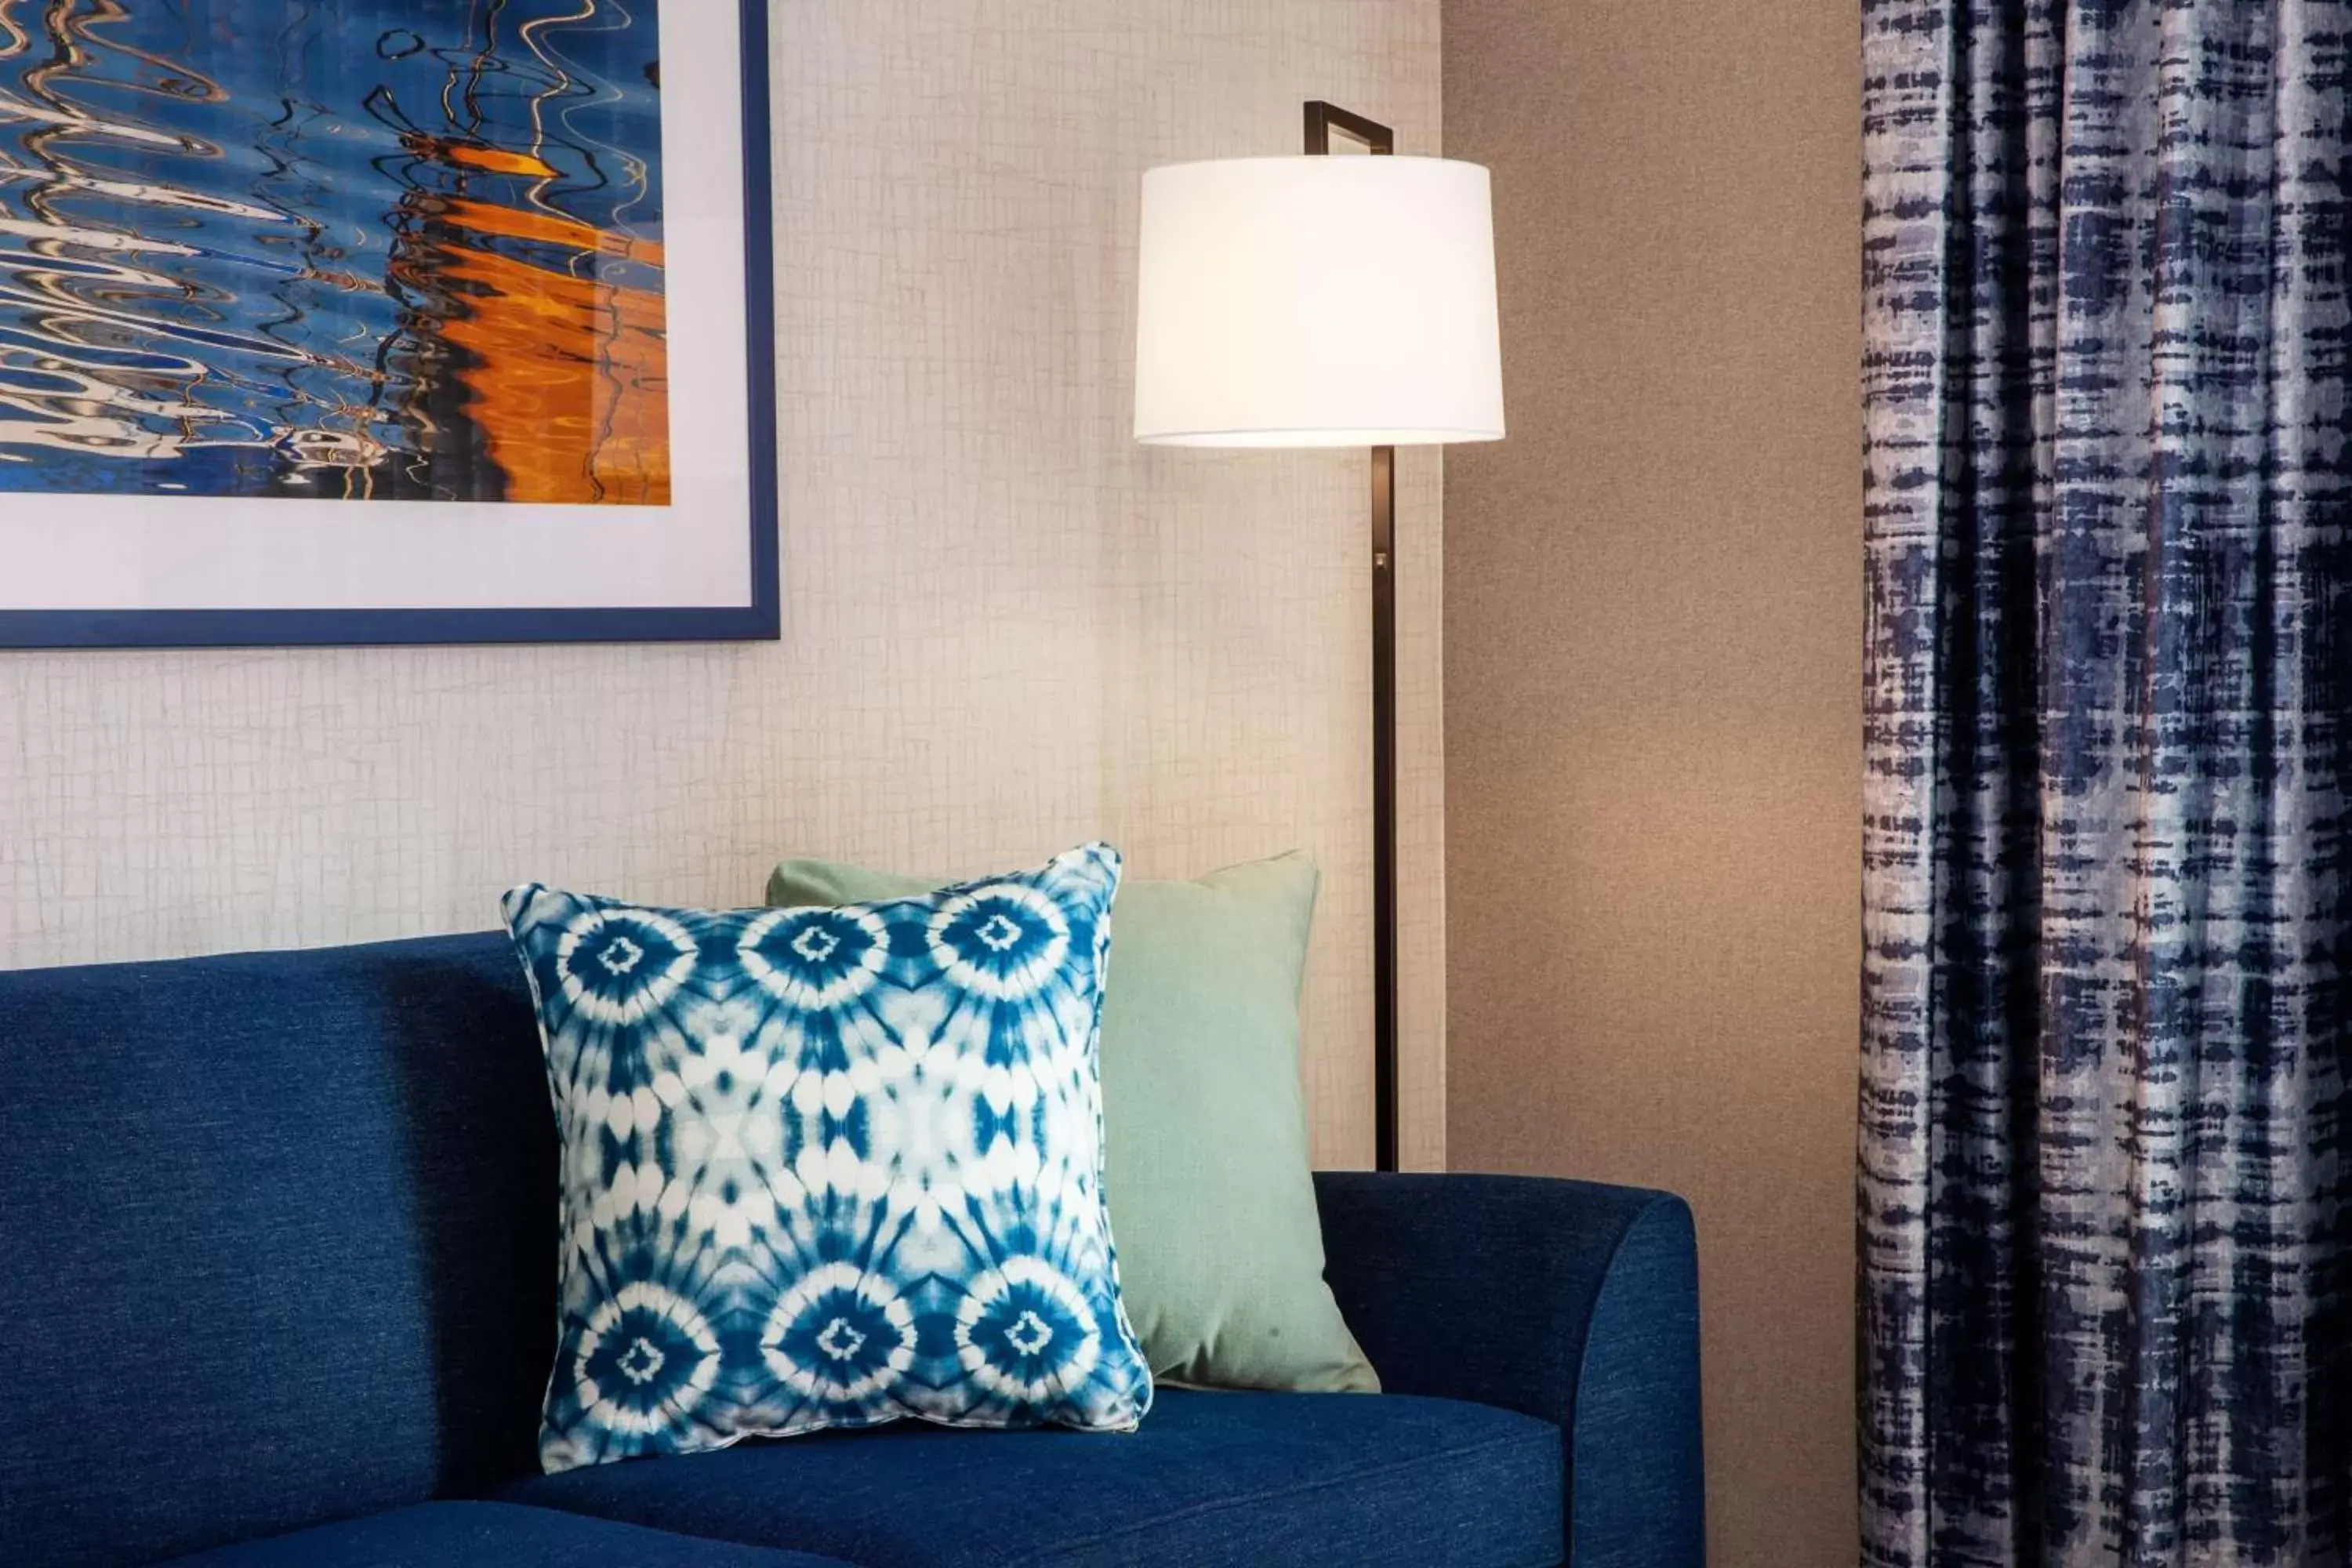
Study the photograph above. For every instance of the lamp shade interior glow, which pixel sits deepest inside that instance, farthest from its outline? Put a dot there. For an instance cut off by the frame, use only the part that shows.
(1316, 302)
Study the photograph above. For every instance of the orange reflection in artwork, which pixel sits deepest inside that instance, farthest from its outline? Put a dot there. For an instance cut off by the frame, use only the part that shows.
(569, 382)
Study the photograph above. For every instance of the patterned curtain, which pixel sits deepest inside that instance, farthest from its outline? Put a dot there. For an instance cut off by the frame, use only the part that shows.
(2105, 1245)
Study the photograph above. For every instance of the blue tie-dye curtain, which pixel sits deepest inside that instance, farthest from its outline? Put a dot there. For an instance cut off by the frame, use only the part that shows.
(2106, 1209)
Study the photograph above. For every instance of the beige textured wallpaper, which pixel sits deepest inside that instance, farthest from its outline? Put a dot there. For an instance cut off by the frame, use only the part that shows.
(1654, 646)
(1007, 629)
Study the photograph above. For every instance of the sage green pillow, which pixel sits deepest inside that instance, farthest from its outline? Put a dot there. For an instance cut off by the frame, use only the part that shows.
(1205, 1122)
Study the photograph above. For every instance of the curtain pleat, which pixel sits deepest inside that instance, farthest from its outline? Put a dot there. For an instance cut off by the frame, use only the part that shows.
(2104, 1236)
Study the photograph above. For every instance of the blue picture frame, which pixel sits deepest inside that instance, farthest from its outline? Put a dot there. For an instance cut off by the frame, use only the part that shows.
(758, 619)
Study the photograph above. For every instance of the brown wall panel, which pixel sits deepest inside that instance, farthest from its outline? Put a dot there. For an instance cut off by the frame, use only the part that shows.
(1652, 625)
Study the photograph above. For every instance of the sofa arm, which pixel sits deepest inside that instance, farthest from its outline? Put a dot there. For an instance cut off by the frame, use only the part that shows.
(1567, 1301)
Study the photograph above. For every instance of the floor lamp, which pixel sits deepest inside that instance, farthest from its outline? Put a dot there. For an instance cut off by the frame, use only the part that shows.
(1321, 301)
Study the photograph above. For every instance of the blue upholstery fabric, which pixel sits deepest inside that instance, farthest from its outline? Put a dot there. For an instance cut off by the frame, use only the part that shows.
(281, 1236)
(491, 1535)
(1568, 1301)
(281, 1241)
(1210, 1479)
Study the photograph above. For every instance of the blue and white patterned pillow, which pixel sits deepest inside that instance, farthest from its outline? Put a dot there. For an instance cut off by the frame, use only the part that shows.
(829, 1167)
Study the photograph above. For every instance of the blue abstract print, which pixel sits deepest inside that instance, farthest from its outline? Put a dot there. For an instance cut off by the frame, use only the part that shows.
(2106, 1205)
(367, 249)
(830, 1167)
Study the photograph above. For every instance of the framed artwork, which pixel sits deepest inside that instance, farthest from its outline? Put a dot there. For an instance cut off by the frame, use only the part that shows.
(384, 322)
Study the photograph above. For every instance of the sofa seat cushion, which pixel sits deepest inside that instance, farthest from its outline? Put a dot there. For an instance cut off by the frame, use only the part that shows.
(1210, 1478)
(489, 1535)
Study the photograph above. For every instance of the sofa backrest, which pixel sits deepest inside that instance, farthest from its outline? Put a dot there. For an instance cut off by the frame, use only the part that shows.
(277, 1243)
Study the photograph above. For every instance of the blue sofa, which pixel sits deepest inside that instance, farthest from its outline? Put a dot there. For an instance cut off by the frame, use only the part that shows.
(278, 1293)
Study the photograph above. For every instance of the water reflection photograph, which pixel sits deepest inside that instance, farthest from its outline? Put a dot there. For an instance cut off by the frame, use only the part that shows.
(342, 251)
(387, 249)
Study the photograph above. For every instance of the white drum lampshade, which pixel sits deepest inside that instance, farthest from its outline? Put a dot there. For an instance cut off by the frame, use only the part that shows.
(1316, 302)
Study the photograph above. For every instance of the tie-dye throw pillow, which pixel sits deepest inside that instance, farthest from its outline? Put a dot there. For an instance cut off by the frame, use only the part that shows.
(829, 1167)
